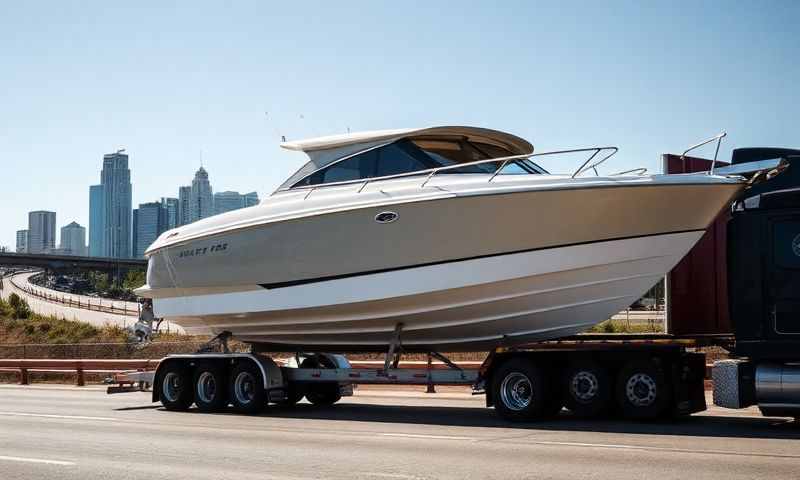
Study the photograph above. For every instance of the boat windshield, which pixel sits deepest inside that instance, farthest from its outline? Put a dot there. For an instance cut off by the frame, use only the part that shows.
(412, 155)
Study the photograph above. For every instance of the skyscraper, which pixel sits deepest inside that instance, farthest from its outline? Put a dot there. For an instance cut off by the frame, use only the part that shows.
(150, 222)
(41, 231)
(117, 199)
(22, 241)
(227, 201)
(250, 199)
(184, 205)
(202, 199)
(171, 208)
(73, 239)
(97, 217)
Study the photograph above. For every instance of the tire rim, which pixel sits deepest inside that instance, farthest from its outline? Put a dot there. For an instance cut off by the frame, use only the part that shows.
(584, 386)
(244, 387)
(516, 391)
(641, 390)
(206, 387)
(171, 387)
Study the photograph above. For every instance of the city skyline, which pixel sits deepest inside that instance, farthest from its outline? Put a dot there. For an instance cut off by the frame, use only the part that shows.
(147, 221)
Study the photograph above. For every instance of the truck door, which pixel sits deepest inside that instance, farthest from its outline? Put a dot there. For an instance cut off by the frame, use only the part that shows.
(783, 277)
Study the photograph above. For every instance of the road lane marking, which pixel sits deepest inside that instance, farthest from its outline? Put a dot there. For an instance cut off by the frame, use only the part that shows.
(36, 460)
(432, 437)
(44, 415)
(660, 449)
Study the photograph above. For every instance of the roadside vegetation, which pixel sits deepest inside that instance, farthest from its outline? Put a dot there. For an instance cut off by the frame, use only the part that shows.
(18, 324)
(621, 326)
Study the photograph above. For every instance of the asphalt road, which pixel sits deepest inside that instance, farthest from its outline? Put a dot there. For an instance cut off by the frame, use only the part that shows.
(71, 433)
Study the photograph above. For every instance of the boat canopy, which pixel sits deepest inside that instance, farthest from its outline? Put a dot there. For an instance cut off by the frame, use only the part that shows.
(323, 151)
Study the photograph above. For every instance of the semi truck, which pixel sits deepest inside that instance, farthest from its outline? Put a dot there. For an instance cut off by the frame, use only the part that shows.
(738, 290)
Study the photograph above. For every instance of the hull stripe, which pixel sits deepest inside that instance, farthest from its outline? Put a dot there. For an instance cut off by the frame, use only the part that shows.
(306, 281)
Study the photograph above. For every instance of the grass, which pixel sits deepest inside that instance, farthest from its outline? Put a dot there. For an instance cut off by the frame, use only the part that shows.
(621, 326)
(18, 324)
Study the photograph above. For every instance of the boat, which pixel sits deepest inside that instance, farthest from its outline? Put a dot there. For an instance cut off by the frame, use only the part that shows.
(446, 238)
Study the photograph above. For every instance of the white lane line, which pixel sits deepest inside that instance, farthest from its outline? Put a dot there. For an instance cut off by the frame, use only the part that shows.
(432, 437)
(43, 415)
(36, 460)
(661, 449)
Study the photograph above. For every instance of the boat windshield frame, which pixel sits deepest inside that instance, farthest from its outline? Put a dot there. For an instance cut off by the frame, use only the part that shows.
(587, 165)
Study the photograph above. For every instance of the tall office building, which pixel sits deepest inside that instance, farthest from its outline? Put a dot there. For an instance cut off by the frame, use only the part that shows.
(202, 198)
(250, 199)
(184, 205)
(117, 199)
(170, 206)
(41, 231)
(97, 221)
(22, 241)
(73, 239)
(227, 201)
(150, 221)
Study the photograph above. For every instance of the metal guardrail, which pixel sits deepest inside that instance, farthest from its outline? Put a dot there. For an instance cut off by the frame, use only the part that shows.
(79, 367)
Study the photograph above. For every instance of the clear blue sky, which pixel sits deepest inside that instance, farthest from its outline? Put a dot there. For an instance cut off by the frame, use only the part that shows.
(79, 79)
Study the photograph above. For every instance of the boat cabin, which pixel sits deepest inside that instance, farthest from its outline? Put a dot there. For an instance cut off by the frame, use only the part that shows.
(381, 154)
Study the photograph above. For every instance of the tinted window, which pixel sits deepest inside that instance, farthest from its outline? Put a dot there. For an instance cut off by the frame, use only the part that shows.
(406, 156)
(402, 157)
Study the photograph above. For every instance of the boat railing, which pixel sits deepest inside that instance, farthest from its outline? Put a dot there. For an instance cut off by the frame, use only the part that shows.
(587, 165)
(634, 171)
(718, 138)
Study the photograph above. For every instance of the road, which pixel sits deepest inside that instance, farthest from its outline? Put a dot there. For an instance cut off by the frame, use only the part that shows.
(44, 307)
(71, 433)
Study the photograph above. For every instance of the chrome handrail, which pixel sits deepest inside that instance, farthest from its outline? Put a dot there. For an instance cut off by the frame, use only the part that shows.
(431, 172)
(718, 137)
(593, 166)
(639, 171)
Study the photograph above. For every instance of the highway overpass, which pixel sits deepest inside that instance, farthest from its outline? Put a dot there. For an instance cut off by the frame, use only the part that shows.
(62, 263)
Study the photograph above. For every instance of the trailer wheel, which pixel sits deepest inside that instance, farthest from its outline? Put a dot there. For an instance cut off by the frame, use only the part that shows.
(322, 394)
(246, 391)
(292, 397)
(175, 387)
(210, 388)
(588, 389)
(521, 391)
(642, 390)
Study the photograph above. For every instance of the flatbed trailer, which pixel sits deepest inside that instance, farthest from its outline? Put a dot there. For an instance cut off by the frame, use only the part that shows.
(637, 376)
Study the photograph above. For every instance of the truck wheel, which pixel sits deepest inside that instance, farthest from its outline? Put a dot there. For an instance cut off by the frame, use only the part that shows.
(642, 390)
(322, 394)
(587, 389)
(246, 391)
(520, 391)
(175, 384)
(210, 388)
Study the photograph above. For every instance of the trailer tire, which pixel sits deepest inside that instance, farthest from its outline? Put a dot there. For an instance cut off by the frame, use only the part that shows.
(175, 386)
(322, 394)
(521, 391)
(587, 389)
(210, 387)
(643, 392)
(292, 397)
(246, 388)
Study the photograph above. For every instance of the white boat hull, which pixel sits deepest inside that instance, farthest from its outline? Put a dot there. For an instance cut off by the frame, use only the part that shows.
(459, 305)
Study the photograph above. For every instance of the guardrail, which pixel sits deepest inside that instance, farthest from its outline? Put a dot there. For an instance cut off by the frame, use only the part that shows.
(80, 367)
(42, 294)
